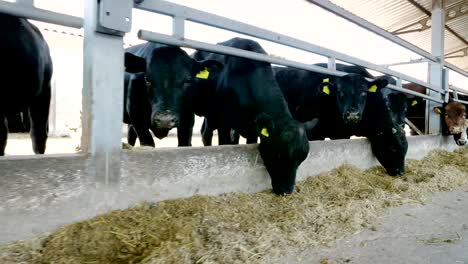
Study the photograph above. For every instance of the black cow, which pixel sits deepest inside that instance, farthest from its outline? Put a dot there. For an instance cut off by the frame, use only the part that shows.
(159, 88)
(338, 102)
(250, 102)
(382, 110)
(383, 124)
(25, 71)
(18, 122)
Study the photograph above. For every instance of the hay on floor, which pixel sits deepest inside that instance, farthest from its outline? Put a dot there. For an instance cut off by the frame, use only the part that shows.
(244, 228)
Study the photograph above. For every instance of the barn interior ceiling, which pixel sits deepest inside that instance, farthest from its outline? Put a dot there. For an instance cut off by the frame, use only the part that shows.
(411, 21)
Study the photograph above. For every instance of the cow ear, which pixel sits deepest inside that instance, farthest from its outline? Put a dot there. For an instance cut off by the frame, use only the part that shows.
(134, 64)
(264, 125)
(438, 110)
(207, 69)
(376, 85)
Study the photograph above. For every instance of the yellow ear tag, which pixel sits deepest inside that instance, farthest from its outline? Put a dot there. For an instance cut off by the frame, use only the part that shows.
(325, 87)
(373, 89)
(265, 132)
(203, 74)
(414, 103)
(437, 110)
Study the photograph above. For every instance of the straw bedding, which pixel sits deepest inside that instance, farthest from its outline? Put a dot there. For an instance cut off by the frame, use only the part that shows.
(244, 228)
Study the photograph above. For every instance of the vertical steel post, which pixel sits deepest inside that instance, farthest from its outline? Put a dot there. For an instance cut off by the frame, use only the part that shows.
(331, 63)
(178, 27)
(445, 83)
(433, 124)
(102, 93)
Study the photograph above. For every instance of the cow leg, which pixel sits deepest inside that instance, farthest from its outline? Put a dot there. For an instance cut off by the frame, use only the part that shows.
(185, 130)
(39, 114)
(3, 135)
(146, 139)
(131, 135)
(206, 133)
(224, 136)
(235, 137)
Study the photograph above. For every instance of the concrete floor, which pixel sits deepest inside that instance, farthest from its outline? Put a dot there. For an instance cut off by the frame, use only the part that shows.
(435, 233)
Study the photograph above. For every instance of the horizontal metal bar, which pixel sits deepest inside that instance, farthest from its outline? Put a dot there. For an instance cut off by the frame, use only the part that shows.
(460, 101)
(421, 60)
(458, 89)
(169, 40)
(404, 90)
(38, 14)
(456, 69)
(194, 15)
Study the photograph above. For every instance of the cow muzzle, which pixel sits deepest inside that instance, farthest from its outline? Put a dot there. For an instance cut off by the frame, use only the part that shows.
(352, 117)
(461, 142)
(396, 172)
(165, 120)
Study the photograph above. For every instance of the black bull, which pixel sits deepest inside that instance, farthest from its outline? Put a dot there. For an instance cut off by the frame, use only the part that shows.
(249, 102)
(25, 71)
(160, 91)
(381, 111)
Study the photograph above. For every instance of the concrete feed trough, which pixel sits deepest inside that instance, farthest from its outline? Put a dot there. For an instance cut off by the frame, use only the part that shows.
(40, 193)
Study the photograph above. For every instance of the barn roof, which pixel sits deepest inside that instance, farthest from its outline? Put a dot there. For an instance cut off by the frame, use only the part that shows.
(410, 20)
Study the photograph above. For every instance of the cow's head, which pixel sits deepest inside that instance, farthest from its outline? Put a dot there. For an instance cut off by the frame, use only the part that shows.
(170, 75)
(283, 147)
(350, 94)
(387, 137)
(454, 116)
(389, 147)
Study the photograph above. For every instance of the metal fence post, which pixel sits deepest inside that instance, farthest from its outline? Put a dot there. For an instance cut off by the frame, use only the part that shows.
(178, 27)
(433, 124)
(331, 63)
(103, 87)
(445, 84)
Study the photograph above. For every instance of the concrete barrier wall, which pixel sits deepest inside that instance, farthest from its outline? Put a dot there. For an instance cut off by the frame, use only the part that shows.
(40, 193)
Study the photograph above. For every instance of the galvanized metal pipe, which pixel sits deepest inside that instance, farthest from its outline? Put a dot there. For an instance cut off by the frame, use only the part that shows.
(169, 40)
(30, 12)
(194, 15)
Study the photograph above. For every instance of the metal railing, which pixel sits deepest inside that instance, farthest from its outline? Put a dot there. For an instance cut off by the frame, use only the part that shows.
(456, 91)
(180, 14)
(31, 12)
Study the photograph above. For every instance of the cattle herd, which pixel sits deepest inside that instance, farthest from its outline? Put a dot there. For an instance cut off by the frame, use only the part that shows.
(285, 107)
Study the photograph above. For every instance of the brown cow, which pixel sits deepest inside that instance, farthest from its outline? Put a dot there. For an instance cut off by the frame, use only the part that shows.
(454, 114)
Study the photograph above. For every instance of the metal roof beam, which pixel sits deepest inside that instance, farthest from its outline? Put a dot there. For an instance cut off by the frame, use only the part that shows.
(341, 12)
(424, 23)
(454, 54)
(451, 13)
